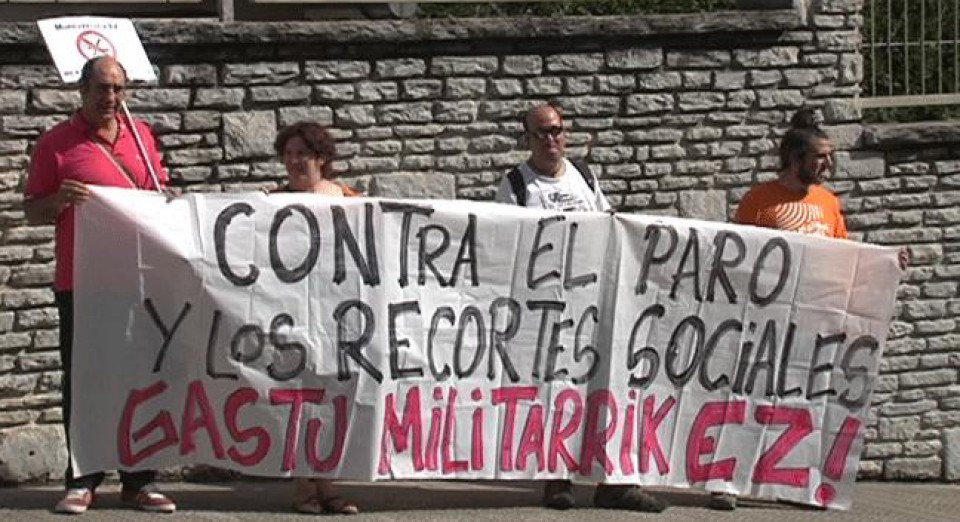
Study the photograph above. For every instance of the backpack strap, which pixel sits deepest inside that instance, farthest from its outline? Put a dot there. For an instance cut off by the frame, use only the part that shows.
(587, 174)
(518, 186)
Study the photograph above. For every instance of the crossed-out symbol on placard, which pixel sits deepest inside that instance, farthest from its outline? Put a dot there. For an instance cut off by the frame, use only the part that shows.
(92, 44)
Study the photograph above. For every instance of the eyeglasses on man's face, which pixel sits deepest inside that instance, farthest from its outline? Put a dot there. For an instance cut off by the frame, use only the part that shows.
(542, 133)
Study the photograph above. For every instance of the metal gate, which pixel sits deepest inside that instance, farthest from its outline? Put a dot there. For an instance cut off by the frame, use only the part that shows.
(910, 51)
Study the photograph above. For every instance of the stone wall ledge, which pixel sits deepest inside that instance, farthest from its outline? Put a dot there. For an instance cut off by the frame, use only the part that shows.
(910, 135)
(180, 31)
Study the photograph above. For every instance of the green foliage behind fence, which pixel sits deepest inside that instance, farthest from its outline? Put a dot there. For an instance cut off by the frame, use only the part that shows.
(911, 47)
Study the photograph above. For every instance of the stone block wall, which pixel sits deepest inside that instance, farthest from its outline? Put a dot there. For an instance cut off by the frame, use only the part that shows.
(911, 196)
(676, 114)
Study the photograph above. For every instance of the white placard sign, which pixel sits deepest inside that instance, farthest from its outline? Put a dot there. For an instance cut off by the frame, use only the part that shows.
(292, 334)
(72, 41)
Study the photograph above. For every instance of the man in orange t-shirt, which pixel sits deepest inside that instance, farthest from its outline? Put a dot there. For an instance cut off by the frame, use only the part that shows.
(773, 205)
(796, 200)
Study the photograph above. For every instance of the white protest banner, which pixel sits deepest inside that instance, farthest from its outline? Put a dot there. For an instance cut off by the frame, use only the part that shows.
(72, 41)
(291, 334)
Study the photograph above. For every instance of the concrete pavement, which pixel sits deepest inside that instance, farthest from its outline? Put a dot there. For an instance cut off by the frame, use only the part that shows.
(478, 502)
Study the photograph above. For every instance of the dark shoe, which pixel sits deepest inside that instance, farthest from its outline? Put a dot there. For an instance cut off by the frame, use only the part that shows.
(558, 494)
(148, 500)
(628, 498)
(722, 501)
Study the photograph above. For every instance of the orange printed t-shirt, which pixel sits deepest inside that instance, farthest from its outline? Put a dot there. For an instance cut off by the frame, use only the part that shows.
(771, 205)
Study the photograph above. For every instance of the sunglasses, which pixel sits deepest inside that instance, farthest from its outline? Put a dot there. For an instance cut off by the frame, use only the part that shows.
(541, 133)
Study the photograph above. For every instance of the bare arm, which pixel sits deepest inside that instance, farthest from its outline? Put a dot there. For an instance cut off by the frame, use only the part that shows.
(44, 210)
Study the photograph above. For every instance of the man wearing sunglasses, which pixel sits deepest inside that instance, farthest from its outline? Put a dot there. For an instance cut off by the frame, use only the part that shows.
(548, 180)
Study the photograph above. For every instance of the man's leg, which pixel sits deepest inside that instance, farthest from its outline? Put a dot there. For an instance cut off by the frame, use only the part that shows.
(627, 497)
(140, 491)
(558, 494)
(79, 489)
(138, 480)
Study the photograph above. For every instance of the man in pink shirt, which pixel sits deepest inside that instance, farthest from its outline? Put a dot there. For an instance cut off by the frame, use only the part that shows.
(94, 147)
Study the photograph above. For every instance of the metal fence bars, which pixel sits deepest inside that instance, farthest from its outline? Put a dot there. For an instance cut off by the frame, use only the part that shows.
(911, 53)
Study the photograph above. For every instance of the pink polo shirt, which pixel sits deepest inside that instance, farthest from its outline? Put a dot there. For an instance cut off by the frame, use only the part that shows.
(69, 151)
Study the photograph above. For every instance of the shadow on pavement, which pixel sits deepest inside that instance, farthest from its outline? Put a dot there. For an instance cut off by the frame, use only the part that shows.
(273, 496)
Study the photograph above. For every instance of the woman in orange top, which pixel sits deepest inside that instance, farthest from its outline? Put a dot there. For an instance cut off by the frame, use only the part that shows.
(307, 150)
